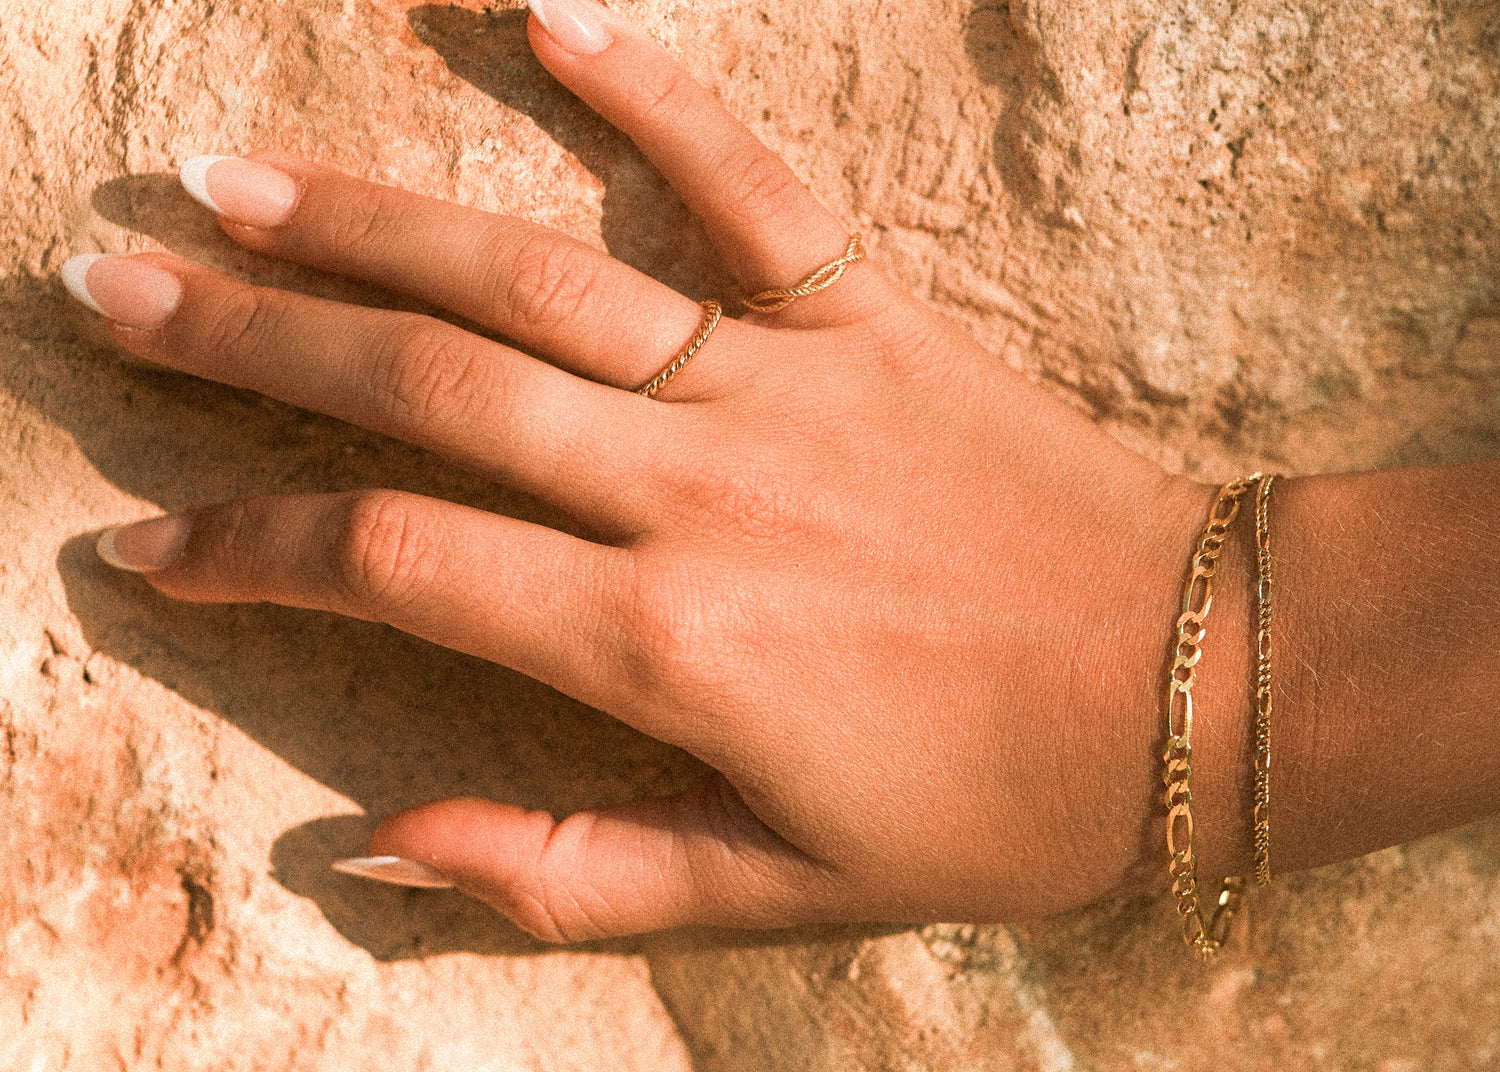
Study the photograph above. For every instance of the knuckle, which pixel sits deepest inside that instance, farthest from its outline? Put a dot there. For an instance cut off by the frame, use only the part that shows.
(909, 348)
(554, 915)
(746, 502)
(662, 100)
(534, 913)
(429, 373)
(550, 281)
(384, 552)
(228, 537)
(662, 630)
(244, 322)
(755, 183)
(678, 638)
(356, 220)
(557, 902)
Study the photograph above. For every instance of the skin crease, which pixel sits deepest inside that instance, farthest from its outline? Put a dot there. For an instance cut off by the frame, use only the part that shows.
(913, 609)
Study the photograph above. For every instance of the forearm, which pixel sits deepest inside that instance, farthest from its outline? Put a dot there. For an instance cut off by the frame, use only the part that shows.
(1387, 668)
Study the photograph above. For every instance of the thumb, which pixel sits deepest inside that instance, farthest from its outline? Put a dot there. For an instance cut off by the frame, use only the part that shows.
(698, 857)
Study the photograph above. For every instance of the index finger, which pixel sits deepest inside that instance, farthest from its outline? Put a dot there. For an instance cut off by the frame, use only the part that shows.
(766, 223)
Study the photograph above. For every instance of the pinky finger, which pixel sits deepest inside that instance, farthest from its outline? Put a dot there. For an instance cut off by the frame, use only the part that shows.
(522, 595)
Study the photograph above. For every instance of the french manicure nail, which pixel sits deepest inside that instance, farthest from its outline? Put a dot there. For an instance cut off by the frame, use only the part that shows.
(246, 191)
(577, 25)
(146, 546)
(128, 291)
(395, 870)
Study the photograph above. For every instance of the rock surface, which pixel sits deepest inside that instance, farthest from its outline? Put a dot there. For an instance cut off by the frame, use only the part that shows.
(1263, 232)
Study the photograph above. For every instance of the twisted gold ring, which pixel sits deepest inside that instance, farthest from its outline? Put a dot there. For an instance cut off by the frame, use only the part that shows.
(712, 311)
(820, 278)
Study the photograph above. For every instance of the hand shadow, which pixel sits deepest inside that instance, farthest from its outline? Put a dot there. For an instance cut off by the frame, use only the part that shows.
(489, 50)
(155, 205)
(383, 718)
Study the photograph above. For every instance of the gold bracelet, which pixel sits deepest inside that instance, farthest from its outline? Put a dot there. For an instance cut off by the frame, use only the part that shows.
(1205, 937)
(1263, 683)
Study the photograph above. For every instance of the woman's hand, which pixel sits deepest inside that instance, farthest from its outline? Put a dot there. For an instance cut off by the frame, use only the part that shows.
(911, 608)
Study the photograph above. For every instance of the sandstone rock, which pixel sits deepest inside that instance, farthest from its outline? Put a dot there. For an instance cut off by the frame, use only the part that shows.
(1237, 234)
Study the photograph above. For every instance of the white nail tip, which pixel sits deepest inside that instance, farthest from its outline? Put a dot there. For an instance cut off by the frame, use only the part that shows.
(106, 549)
(74, 274)
(395, 870)
(194, 175)
(539, 9)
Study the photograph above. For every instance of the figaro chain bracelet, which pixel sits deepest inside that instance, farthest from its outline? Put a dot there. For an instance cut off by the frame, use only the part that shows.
(1206, 936)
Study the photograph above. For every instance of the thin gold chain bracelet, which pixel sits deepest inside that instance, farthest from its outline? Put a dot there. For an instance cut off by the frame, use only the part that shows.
(1263, 682)
(1206, 937)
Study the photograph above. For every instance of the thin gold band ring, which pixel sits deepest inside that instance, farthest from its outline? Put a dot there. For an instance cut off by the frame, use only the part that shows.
(712, 312)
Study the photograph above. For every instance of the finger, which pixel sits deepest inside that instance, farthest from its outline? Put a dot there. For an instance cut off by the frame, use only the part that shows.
(579, 445)
(579, 308)
(769, 227)
(521, 595)
(700, 857)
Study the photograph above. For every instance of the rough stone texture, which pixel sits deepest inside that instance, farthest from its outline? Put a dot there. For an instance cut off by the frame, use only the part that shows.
(1234, 232)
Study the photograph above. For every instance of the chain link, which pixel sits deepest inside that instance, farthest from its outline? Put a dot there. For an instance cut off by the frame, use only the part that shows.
(1206, 937)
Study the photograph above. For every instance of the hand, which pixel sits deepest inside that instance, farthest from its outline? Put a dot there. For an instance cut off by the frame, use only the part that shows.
(912, 609)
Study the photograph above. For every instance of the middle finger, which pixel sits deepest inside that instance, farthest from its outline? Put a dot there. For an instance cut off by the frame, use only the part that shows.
(569, 303)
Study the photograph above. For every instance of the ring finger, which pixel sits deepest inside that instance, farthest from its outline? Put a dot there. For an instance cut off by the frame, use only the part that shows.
(522, 595)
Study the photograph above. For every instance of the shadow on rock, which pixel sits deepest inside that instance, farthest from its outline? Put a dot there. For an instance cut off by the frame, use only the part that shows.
(390, 922)
(489, 50)
(156, 205)
(1007, 53)
(383, 718)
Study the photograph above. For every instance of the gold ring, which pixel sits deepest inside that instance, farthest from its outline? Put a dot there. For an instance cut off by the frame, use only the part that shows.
(712, 311)
(820, 278)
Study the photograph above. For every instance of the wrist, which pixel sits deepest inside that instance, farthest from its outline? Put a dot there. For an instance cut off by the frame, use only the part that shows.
(1386, 670)
(1114, 739)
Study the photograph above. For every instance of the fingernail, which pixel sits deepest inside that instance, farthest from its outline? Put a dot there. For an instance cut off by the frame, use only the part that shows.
(128, 291)
(146, 546)
(576, 25)
(246, 191)
(395, 870)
